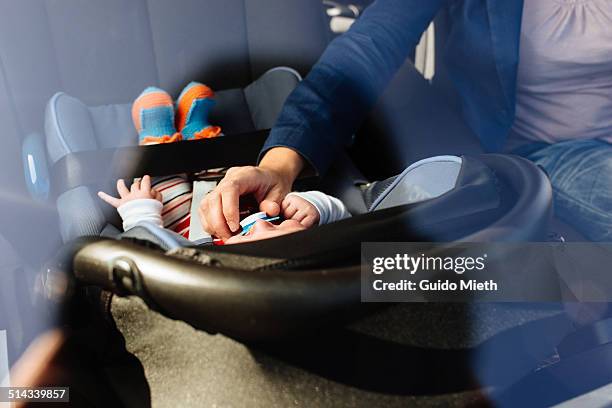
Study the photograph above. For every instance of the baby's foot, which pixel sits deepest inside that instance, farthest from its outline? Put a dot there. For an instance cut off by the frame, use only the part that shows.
(153, 116)
(193, 107)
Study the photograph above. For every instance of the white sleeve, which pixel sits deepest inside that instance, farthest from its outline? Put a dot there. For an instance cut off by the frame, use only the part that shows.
(330, 208)
(143, 209)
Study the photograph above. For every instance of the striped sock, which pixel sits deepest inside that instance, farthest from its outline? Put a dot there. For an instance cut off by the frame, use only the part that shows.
(193, 107)
(153, 116)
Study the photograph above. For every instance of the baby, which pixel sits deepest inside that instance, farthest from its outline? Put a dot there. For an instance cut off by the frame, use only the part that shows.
(143, 203)
(166, 201)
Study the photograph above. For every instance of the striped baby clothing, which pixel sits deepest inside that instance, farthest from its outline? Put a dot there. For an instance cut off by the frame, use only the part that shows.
(176, 194)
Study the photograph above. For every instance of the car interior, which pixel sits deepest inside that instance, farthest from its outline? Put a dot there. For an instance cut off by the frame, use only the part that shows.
(148, 320)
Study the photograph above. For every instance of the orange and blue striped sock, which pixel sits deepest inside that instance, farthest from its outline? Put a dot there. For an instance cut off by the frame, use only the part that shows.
(153, 116)
(193, 108)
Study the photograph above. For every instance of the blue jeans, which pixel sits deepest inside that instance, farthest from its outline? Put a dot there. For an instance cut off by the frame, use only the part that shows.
(580, 172)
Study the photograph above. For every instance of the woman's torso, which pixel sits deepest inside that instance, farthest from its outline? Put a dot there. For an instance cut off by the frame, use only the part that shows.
(564, 83)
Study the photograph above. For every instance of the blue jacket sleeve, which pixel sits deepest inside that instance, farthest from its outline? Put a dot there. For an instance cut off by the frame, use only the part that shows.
(323, 112)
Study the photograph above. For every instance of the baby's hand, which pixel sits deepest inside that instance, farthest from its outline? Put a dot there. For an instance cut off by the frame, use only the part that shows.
(139, 189)
(296, 208)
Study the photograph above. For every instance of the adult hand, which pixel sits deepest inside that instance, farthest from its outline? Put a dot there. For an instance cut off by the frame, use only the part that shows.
(270, 182)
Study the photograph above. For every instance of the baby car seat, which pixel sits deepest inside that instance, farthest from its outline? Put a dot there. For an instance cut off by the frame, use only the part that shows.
(249, 292)
(72, 127)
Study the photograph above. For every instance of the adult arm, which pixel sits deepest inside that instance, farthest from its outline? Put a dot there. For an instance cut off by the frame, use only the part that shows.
(322, 113)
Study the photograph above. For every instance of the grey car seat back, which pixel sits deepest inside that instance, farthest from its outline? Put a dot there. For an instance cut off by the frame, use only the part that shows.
(107, 52)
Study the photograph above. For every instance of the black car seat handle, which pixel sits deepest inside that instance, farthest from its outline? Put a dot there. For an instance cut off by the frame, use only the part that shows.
(250, 305)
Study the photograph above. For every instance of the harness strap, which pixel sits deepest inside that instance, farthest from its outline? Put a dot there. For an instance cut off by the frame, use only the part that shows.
(99, 167)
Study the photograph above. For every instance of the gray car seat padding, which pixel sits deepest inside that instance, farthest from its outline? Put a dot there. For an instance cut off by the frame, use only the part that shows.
(71, 127)
(166, 239)
(423, 180)
(80, 213)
